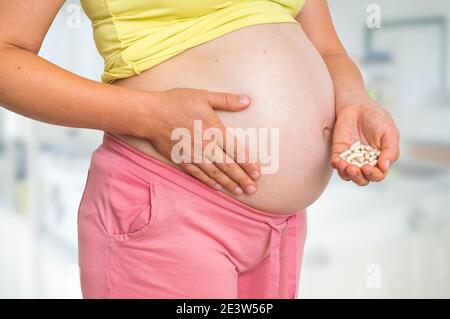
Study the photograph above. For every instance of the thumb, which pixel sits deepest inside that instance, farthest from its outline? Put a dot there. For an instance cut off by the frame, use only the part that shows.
(227, 101)
(389, 151)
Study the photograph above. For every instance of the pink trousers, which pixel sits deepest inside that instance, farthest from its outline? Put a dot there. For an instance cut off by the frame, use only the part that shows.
(148, 230)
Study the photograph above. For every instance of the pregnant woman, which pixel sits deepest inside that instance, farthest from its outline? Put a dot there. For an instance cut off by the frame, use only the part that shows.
(152, 226)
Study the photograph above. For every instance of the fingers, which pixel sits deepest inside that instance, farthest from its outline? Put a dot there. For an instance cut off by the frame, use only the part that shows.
(238, 174)
(221, 178)
(222, 162)
(362, 176)
(218, 169)
(241, 155)
(355, 174)
(390, 150)
(372, 173)
(211, 164)
(238, 165)
(234, 149)
(227, 101)
(343, 175)
(201, 176)
(337, 162)
(337, 149)
(340, 165)
(231, 176)
(349, 172)
(367, 173)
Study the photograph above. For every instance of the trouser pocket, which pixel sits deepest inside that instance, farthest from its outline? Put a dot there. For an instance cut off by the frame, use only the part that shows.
(130, 208)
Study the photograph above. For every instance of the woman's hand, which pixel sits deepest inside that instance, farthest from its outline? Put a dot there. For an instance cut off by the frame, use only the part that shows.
(179, 108)
(364, 121)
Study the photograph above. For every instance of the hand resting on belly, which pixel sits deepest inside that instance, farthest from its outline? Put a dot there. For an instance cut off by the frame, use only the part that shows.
(291, 93)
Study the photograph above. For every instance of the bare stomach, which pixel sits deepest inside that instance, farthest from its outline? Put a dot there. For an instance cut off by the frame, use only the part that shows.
(291, 92)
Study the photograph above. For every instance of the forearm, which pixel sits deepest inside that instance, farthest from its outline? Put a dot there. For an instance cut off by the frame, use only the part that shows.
(347, 80)
(38, 89)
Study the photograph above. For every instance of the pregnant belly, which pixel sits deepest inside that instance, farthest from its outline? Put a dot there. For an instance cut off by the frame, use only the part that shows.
(292, 98)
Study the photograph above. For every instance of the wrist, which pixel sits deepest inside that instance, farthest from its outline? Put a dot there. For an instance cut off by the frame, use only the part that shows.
(143, 117)
(353, 98)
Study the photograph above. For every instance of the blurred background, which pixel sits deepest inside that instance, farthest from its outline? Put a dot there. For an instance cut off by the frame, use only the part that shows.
(387, 240)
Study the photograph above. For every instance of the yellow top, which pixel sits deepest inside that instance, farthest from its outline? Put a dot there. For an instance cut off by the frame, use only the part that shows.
(135, 35)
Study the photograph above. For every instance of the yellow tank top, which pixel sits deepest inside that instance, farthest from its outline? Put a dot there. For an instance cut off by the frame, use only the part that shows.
(135, 35)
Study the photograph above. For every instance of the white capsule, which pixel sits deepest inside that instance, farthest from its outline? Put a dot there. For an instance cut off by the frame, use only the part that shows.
(356, 163)
(357, 143)
(377, 152)
(373, 163)
(351, 156)
(368, 148)
(366, 156)
(344, 154)
(372, 153)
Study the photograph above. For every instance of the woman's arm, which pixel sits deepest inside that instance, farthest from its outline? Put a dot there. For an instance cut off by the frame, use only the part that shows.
(347, 80)
(358, 117)
(38, 89)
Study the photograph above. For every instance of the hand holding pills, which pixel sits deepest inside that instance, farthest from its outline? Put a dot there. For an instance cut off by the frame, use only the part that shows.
(360, 154)
(365, 143)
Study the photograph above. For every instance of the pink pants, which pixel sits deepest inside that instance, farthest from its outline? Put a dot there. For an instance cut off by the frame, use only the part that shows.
(148, 230)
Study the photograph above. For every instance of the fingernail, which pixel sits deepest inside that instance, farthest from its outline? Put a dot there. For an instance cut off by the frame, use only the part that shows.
(254, 174)
(353, 173)
(243, 99)
(238, 191)
(387, 164)
(217, 186)
(250, 189)
(367, 173)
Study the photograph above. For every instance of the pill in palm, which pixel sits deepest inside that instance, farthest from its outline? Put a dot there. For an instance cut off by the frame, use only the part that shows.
(360, 154)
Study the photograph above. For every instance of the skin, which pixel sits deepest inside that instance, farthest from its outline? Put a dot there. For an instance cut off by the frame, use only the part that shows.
(59, 97)
(301, 106)
(358, 117)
